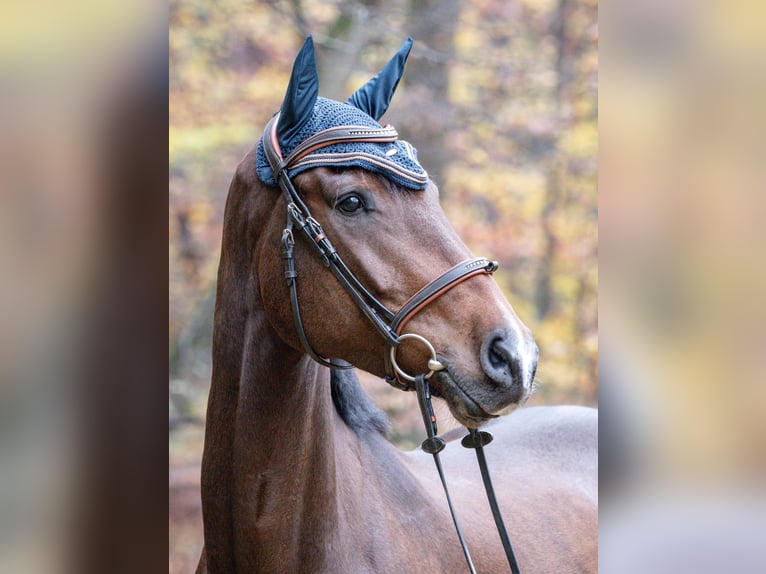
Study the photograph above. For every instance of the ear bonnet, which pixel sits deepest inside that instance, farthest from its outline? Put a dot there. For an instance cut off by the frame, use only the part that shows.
(304, 114)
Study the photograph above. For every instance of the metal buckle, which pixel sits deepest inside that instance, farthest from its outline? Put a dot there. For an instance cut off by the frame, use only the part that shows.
(287, 237)
(296, 215)
(316, 228)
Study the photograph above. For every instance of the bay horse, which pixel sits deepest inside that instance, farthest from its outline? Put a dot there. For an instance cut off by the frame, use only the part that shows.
(297, 473)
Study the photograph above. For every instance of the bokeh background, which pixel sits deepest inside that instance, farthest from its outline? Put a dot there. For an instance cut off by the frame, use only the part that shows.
(83, 270)
(500, 100)
(682, 294)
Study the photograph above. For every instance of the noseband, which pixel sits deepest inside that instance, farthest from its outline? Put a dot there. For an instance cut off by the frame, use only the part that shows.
(387, 323)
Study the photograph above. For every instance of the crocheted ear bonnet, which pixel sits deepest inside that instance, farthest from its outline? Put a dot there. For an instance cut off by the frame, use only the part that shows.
(303, 114)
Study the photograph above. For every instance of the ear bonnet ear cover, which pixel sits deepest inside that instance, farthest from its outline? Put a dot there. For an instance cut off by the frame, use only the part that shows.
(303, 114)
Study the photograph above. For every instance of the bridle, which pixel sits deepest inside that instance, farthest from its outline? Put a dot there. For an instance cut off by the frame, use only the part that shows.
(385, 321)
(388, 323)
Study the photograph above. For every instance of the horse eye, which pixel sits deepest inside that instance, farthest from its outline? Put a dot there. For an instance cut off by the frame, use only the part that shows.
(350, 205)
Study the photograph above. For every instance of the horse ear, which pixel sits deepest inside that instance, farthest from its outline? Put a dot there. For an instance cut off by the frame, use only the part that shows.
(373, 98)
(301, 95)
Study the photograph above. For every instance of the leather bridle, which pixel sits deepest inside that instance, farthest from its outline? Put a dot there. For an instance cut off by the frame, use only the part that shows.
(385, 321)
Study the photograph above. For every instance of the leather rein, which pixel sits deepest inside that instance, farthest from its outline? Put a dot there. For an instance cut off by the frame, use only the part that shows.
(385, 321)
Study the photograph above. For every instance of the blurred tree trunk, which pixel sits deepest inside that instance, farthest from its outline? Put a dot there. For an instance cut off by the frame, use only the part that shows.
(340, 45)
(544, 296)
(426, 118)
(343, 43)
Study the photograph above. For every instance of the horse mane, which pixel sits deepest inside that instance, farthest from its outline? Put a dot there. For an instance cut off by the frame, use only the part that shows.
(354, 406)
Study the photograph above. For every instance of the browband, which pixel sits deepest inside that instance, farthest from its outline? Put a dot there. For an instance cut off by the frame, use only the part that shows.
(324, 138)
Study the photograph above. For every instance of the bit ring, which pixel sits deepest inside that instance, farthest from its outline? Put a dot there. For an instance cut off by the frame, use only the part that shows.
(433, 363)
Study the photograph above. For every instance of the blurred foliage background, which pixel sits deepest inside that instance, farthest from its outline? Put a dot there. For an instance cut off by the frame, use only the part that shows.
(499, 97)
(500, 100)
(681, 286)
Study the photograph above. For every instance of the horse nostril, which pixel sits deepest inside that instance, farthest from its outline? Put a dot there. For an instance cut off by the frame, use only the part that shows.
(501, 358)
(497, 358)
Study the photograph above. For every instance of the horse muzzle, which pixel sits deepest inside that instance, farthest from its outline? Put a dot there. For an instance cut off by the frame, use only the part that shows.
(509, 359)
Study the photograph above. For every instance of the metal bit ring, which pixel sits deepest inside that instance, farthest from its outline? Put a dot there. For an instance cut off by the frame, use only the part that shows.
(433, 363)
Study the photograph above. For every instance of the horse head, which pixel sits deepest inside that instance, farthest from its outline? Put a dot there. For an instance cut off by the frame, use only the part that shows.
(376, 205)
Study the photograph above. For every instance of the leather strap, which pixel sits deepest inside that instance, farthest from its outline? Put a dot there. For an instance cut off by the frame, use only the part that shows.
(433, 445)
(476, 440)
(342, 134)
(426, 295)
(291, 275)
(441, 285)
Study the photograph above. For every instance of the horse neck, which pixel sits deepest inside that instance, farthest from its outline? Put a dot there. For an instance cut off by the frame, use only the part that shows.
(285, 483)
(309, 493)
(269, 442)
(269, 456)
(285, 475)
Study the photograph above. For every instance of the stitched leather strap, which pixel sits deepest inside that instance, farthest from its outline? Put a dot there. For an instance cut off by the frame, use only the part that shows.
(441, 285)
(342, 134)
(429, 293)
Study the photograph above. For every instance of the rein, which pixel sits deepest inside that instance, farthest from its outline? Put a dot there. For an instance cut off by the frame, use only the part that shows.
(475, 439)
(387, 323)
